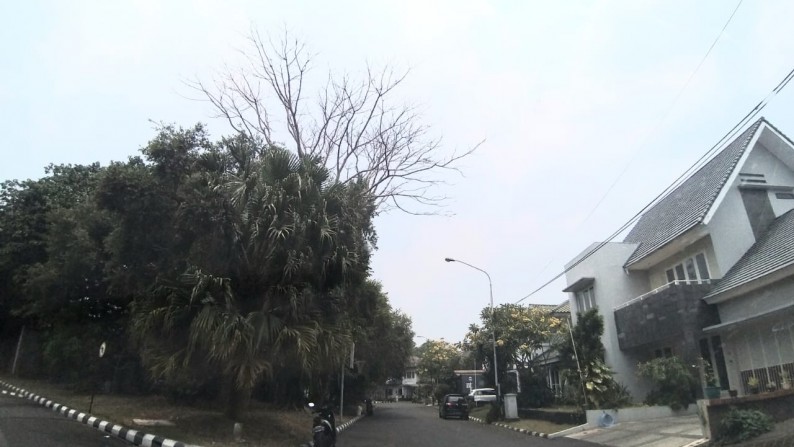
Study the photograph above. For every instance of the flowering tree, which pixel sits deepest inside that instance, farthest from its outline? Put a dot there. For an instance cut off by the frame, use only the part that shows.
(437, 362)
(521, 332)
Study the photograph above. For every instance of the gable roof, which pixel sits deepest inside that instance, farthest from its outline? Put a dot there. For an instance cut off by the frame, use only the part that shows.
(563, 308)
(773, 251)
(688, 204)
(545, 307)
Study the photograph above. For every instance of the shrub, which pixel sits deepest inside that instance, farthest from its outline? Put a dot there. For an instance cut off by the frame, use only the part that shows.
(602, 391)
(618, 396)
(741, 425)
(493, 414)
(534, 392)
(675, 385)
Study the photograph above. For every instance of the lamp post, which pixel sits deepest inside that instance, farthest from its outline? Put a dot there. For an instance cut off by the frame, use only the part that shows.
(493, 329)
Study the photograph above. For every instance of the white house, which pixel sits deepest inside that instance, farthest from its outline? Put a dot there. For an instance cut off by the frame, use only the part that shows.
(403, 388)
(707, 272)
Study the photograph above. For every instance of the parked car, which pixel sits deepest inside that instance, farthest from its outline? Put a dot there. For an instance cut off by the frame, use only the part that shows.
(481, 396)
(453, 405)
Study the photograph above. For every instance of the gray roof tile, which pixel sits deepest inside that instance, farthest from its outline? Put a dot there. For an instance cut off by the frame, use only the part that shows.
(773, 251)
(564, 307)
(688, 204)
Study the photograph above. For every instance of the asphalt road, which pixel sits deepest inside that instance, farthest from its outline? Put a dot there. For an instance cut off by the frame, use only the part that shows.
(412, 425)
(26, 424)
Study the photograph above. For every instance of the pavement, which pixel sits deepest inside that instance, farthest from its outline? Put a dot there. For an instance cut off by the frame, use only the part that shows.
(681, 431)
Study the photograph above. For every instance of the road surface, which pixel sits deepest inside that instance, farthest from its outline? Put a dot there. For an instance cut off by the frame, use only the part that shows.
(24, 423)
(405, 424)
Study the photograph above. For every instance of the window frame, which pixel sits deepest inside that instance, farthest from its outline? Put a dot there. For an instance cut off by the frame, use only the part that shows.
(585, 299)
(682, 270)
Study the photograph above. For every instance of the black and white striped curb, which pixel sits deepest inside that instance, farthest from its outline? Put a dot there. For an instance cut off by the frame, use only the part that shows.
(510, 427)
(339, 429)
(133, 436)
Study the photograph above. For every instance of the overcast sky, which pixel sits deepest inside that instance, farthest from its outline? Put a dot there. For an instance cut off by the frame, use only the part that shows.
(575, 101)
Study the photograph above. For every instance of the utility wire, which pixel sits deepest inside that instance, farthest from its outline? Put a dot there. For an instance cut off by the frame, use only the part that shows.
(668, 112)
(656, 126)
(677, 182)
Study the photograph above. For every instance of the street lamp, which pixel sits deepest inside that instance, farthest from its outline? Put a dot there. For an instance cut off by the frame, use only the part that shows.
(493, 323)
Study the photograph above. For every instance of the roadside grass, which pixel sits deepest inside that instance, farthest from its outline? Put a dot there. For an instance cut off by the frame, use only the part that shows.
(528, 424)
(204, 425)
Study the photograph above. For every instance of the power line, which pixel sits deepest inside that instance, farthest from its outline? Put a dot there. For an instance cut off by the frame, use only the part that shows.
(657, 125)
(669, 109)
(698, 164)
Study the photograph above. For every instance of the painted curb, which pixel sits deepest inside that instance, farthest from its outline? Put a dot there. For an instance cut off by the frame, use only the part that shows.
(515, 429)
(339, 428)
(134, 436)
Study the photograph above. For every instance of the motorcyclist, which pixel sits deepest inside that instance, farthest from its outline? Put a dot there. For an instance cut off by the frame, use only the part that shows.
(325, 412)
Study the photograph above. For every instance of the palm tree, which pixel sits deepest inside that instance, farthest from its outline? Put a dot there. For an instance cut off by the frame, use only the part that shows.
(265, 281)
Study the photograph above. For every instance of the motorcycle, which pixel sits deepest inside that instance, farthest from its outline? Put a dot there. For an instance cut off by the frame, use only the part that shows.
(368, 406)
(323, 426)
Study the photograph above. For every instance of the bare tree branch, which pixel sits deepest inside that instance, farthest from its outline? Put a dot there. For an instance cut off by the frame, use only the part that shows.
(354, 127)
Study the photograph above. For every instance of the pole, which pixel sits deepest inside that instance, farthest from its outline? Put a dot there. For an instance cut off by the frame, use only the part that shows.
(578, 366)
(474, 368)
(19, 348)
(493, 339)
(493, 330)
(342, 394)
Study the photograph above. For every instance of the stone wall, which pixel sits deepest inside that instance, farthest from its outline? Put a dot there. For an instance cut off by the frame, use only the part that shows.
(675, 312)
(778, 404)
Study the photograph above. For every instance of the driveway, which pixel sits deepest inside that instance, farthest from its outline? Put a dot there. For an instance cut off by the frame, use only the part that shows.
(663, 432)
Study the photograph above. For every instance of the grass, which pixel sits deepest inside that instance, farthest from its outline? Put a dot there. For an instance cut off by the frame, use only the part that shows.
(528, 424)
(264, 426)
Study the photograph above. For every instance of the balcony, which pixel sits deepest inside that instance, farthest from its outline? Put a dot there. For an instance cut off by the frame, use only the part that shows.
(672, 311)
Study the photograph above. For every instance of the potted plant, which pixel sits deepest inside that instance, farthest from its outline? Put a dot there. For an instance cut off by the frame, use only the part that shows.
(786, 383)
(712, 389)
(752, 384)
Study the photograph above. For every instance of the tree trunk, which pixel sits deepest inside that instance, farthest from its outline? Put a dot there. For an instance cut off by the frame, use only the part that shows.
(237, 400)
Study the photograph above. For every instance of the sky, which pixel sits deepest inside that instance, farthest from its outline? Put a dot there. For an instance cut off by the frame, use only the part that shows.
(586, 110)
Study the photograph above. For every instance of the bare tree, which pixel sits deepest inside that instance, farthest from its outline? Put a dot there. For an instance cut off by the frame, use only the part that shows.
(352, 127)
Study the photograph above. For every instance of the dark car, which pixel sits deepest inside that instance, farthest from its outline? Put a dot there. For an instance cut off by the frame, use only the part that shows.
(453, 405)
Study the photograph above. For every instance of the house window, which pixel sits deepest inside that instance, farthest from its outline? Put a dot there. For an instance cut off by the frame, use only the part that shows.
(554, 381)
(691, 270)
(585, 299)
(663, 353)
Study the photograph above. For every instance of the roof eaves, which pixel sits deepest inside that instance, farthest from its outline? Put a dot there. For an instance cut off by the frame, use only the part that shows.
(633, 261)
(717, 293)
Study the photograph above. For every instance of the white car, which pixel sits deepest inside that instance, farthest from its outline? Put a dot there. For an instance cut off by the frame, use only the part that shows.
(482, 395)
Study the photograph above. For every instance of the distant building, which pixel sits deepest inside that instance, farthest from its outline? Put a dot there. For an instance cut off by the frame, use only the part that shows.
(403, 388)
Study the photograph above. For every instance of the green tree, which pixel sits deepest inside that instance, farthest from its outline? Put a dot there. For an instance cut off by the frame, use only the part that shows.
(59, 288)
(521, 334)
(383, 335)
(675, 383)
(438, 360)
(271, 248)
(586, 369)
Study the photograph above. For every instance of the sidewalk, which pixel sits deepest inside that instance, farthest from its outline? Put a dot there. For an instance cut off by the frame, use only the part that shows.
(663, 432)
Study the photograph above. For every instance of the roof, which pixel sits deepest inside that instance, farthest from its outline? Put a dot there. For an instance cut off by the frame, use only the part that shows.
(777, 312)
(688, 204)
(565, 307)
(773, 250)
(546, 307)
